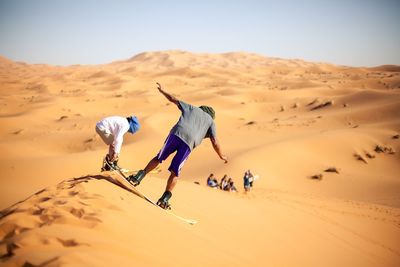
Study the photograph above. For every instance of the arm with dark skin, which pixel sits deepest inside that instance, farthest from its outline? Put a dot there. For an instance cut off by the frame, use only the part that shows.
(170, 97)
(217, 149)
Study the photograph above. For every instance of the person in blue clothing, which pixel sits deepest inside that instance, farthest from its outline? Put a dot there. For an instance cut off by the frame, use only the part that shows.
(212, 181)
(194, 124)
(247, 181)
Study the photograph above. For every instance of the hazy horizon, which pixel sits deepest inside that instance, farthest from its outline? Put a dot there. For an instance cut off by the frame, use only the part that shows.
(352, 33)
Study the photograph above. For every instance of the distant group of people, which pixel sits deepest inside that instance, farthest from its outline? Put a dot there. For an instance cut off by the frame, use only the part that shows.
(227, 183)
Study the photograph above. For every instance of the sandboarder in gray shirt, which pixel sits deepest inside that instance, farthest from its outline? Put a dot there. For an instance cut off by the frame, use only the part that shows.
(195, 124)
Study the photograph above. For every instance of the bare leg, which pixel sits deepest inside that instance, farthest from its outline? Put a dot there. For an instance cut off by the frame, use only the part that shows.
(172, 180)
(110, 151)
(151, 165)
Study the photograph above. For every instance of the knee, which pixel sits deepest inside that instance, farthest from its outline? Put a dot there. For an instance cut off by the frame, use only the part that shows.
(156, 160)
(173, 174)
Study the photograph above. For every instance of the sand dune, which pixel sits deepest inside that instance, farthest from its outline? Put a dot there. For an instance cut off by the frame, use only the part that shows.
(286, 120)
(95, 221)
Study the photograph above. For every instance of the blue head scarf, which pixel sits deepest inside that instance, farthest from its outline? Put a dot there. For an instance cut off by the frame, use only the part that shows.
(134, 124)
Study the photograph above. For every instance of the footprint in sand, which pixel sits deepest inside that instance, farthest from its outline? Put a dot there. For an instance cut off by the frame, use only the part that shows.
(20, 131)
(77, 212)
(63, 117)
(60, 202)
(360, 158)
(92, 218)
(90, 140)
(332, 169)
(73, 193)
(69, 242)
(316, 177)
(369, 155)
(323, 105)
(44, 199)
(83, 214)
(316, 100)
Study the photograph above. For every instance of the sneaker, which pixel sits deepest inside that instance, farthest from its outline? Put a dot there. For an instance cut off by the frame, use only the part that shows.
(115, 166)
(137, 178)
(163, 204)
(163, 201)
(106, 165)
(109, 165)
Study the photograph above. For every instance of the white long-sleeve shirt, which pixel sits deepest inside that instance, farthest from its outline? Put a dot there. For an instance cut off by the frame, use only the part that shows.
(117, 126)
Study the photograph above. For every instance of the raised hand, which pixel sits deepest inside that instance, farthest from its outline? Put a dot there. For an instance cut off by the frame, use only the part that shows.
(159, 87)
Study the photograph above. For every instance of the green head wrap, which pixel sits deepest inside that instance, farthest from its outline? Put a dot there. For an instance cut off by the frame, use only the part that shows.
(209, 110)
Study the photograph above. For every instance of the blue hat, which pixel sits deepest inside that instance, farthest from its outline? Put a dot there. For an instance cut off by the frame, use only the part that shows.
(134, 124)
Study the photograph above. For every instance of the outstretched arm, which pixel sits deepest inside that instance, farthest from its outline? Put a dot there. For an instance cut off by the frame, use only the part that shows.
(217, 149)
(170, 97)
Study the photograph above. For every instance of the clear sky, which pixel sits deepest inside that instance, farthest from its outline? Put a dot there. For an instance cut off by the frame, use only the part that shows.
(346, 32)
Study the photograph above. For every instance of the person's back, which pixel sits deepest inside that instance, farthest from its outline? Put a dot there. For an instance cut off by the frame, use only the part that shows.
(113, 123)
(226, 185)
(223, 182)
(211, 180)
(193, 125)
(246, 181)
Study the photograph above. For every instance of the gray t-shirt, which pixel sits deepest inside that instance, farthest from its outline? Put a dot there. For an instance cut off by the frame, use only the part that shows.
(194, 125)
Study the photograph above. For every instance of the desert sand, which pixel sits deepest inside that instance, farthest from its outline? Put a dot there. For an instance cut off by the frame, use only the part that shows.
(290, 121)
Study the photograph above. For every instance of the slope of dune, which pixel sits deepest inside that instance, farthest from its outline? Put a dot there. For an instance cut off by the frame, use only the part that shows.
(95, 220)
(288, 120)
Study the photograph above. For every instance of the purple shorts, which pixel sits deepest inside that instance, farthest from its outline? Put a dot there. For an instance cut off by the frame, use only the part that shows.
(174, 143)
